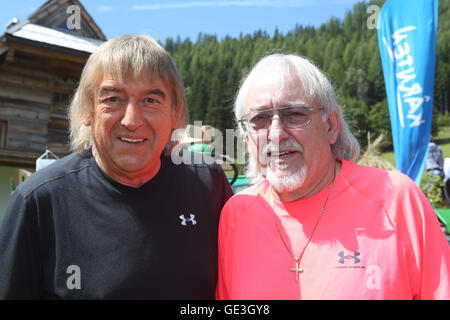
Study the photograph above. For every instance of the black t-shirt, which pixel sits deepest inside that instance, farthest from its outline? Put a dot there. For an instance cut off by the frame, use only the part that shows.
(72, 232)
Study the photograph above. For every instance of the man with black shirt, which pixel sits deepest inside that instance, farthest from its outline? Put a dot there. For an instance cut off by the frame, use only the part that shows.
(117, 219)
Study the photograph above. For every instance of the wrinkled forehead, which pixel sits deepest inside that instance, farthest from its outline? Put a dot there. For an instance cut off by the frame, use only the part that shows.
(273, 88)
(130, 74)
(129, 79)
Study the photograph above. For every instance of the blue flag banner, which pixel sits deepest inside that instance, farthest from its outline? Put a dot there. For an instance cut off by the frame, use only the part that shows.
(407, 41)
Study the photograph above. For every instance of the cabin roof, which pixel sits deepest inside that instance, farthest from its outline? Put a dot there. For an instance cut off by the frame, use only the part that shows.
(51, 12)
(27, 31)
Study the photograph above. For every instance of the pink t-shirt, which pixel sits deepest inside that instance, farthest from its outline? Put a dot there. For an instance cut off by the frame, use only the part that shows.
(378, 238)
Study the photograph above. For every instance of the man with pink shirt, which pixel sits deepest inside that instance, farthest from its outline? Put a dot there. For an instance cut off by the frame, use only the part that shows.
(315, 225)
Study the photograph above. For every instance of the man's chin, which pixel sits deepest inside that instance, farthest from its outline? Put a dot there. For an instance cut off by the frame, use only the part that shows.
(283, 181)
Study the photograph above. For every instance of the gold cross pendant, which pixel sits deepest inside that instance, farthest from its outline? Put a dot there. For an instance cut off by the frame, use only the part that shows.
(296, 270)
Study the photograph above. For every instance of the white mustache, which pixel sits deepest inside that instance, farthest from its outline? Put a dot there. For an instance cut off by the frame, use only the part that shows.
(290, 145)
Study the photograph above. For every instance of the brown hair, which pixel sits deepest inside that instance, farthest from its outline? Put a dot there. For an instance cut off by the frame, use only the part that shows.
(124, 58)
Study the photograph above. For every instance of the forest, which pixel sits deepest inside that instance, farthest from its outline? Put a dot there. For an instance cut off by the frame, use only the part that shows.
(346, 50)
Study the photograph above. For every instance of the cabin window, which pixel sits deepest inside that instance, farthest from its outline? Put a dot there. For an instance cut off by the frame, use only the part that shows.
(60, 103)
(3, 127)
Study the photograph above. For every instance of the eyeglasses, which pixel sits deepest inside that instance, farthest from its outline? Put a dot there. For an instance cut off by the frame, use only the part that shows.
(291, 117)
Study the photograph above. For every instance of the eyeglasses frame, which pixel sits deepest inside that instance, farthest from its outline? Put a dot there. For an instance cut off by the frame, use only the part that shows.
(310, 110)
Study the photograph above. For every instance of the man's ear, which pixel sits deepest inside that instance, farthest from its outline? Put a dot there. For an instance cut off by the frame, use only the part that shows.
(87, 122)
(334, 126)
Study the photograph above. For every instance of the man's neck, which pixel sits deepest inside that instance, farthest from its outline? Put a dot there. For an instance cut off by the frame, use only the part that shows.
(135, 179)
(306, 191)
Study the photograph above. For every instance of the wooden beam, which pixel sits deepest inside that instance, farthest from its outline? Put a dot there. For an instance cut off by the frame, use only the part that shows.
(25, 72)
(17, 158)
(20, 142)
(51, 62)
(27, 159)
(9, 91)
(27, 127)
(50, 68)
(10, 55)
(46, 52)
(24, 77)
(6, 103)
(3, 49)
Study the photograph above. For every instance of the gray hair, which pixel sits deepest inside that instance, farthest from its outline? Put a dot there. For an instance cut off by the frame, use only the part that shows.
(126, 58)
(315, 87)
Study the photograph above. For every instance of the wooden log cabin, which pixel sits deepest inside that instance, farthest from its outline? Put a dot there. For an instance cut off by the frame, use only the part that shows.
(41, 59)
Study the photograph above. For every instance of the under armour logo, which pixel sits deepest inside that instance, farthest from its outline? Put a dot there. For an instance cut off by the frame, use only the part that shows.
(191, 219)
(343, 256)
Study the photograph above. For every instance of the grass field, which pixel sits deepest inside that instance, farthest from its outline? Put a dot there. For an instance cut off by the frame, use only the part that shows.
(443, 140)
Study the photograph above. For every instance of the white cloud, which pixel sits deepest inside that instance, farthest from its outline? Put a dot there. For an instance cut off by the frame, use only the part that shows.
(104, 9)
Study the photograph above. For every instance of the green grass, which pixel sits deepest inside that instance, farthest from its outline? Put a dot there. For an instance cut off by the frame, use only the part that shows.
(389, 156)
(443, 140)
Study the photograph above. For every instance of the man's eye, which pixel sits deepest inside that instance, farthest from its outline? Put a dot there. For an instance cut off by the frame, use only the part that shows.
(112, 99)
(296, 114)
(260, 117)
(149, 100)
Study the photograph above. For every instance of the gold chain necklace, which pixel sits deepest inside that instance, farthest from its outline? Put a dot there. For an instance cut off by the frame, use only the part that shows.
(298, 259)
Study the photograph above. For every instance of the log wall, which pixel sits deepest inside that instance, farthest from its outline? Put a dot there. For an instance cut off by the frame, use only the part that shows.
(27, 85)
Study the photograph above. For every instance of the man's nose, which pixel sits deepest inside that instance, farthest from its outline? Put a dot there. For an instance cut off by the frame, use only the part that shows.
(133, 117)
(277, 131)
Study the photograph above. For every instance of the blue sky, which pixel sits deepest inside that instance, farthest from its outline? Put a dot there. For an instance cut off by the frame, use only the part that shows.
(186, 18)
